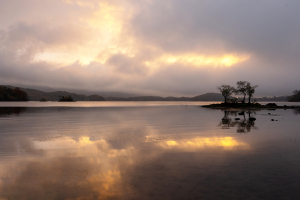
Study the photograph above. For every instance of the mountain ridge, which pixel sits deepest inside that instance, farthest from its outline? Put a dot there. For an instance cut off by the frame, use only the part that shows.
(37, 95)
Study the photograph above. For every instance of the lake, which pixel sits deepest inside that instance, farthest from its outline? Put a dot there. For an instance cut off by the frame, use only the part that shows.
(147, 150)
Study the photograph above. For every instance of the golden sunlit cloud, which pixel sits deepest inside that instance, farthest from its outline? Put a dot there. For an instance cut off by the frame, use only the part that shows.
(79, 2)
(65, 58)
(227, 60)
(103, 28)
(106, 37)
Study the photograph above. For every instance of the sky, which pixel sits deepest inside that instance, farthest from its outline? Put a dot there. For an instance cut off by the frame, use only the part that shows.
(151, 47)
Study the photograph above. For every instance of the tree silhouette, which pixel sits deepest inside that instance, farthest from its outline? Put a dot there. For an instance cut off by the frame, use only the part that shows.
(226, 91)
(242, 89)
(250, 91)
(295, 97)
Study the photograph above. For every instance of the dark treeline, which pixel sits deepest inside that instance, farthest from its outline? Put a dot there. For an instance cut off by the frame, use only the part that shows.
(270, 99)
(12, 94)
(148, 98)
(295, 97)
(203, 97)
(67, 98)
(37, 95)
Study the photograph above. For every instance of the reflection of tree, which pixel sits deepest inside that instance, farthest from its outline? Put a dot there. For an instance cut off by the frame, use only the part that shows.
(226, 120)
(11, 110)
(297, 111)
(243, 125)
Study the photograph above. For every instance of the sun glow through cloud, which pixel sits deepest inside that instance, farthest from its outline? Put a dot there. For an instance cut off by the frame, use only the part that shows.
(226, 60)
(103, 28)
(129, 47)
(107, 25)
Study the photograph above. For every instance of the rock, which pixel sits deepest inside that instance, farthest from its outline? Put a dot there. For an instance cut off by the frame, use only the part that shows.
(271, 104)
(252, 118)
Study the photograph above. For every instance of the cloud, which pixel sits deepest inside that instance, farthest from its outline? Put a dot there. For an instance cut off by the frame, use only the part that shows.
(150, 47)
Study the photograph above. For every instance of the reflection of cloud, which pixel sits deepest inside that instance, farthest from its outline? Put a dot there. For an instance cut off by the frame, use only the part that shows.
(71, 169)
(60, 143)
(200, 143)
(61, 178)
(194, 144)
(90, 169)
(84, 143)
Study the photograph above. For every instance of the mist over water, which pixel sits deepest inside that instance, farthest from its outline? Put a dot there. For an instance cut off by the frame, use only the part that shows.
(148, 150)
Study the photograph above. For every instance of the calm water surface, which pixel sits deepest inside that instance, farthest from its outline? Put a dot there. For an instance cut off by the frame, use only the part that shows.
(147, 150)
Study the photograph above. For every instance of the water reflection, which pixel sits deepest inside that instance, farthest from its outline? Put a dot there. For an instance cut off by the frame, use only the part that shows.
(194, 144)
(297, 111)
(243, 120)
(140, 153)
(4, 111)
(69, 169)
(93, 169)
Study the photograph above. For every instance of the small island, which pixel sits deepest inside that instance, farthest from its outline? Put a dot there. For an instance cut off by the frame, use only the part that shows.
(251, 106)
(66, 99)
(244, 88)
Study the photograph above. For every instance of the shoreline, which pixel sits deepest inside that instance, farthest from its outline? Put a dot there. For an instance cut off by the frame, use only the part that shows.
(230, 106)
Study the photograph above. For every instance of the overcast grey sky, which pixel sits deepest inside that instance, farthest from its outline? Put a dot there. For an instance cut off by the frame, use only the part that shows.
(151, 47)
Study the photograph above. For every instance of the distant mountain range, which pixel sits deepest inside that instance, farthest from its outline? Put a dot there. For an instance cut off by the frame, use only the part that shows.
(203, 97)
(76, 91)
(271, 99)
(37, 95)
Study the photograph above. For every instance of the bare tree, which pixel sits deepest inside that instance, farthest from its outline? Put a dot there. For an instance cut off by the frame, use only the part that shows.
(250, 90)
(226, 91)
(295, 97)
(242, 89)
